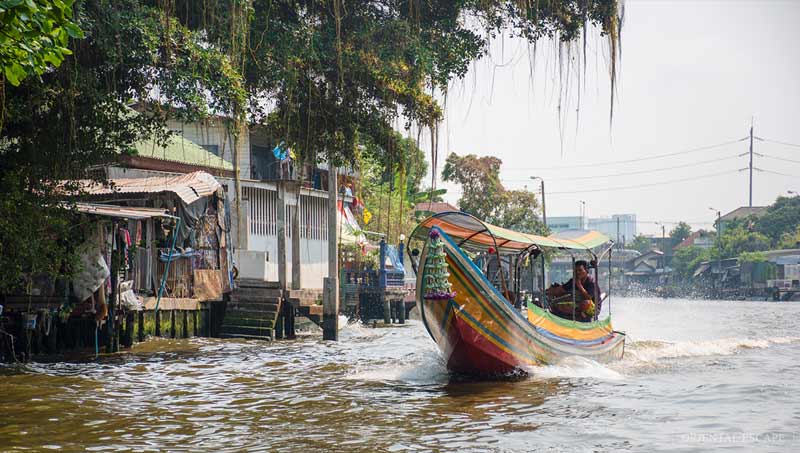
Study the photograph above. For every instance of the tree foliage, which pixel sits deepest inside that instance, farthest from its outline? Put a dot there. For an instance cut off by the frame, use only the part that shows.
(35, 35)
(389, 186)
(782, 217)
(680, 232)
(640, 243)
(484, 196)
(78, 116)
(685, 261)
(333, 72)
(326, 76)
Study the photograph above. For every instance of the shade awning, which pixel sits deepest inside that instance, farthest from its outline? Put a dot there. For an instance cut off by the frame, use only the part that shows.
(124, 212)
(189, 187)
(471, 233)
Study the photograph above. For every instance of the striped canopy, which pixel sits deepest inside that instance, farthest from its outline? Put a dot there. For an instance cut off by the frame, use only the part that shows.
(473, 234)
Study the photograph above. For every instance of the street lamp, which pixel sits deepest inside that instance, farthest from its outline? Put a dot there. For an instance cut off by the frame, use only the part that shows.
(663, 235)
(583, 211)
(719, 246)
(544, 209)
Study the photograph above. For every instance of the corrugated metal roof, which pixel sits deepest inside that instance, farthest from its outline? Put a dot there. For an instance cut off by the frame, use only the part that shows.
(125, 212)
(189, 187)
(179, 149)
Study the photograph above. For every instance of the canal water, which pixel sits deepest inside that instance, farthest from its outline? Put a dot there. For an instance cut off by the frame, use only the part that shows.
(697, 376)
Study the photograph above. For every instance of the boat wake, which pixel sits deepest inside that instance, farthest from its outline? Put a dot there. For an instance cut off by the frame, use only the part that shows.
(654, 350)
(649, 353)
(575, 367)
(425, 368)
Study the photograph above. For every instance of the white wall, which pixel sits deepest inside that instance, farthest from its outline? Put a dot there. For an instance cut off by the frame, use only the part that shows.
(260, 200)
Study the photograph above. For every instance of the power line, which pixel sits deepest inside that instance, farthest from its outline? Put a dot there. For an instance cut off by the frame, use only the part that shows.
(780, 158)
(628, 222)
(639, 159)
(639, 172)
(638, 186)
(777, 173)
(779, 142)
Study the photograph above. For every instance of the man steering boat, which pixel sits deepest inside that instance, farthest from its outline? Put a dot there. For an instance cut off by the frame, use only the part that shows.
(586, 301)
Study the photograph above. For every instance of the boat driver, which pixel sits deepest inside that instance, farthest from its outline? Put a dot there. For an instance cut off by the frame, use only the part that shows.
(586, 289)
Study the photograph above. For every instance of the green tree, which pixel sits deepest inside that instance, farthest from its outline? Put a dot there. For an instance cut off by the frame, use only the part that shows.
(35, 36)
(484, 196)
(781, 217)
(737, 240)
(686, 260)
(640, 243)
(680, 232)
(336, 72)
(390, 186)
(479, 177)
(79, 116)
(790, 240)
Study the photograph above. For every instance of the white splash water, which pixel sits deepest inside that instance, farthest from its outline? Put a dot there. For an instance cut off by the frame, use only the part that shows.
(575, 367)
(653, 350)
(426, 368)
(646, 353)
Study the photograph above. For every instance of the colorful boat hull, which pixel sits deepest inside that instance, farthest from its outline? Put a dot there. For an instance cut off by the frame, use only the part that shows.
(479, 332)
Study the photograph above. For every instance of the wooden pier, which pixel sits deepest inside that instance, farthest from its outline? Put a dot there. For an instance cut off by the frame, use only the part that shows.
(49, 334)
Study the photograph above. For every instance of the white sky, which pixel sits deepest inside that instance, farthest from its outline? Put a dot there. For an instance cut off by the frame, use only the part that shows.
(692, 74)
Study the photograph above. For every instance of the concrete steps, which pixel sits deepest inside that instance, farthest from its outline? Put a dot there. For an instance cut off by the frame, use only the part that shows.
(253, 311)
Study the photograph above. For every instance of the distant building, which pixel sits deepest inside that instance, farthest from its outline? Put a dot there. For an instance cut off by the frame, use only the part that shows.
(648, 269)
(619, 227)
(700, 239)
(557, 224)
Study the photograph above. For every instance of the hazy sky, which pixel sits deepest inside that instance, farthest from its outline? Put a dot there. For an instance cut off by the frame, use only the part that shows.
(692, 74)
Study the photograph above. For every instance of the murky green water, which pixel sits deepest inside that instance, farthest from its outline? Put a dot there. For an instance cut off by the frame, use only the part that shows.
(697, 376)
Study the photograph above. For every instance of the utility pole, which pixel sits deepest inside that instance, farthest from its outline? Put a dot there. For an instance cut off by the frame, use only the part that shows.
(663, 245)
(544, 206)
(719, 251)
(330, 303)
(618, 243)
(751, 162)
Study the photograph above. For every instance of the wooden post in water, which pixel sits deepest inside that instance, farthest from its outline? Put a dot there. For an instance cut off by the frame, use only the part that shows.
(281, 223)
(172, 323)
(129, 320)
(330, 316)
(387, 307)
(279, 322)
(288, 321)
(140, 334)
(111, 303)
(158, 322)
(330, 304)
(185, 330)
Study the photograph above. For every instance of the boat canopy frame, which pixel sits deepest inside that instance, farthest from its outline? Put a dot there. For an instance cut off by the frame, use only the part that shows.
(472, 233)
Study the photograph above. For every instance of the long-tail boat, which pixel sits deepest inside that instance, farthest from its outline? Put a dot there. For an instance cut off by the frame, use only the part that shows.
(476, 327)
